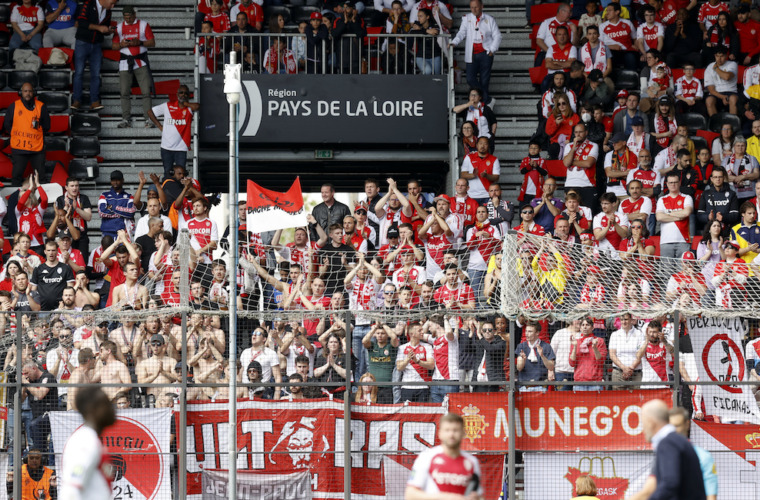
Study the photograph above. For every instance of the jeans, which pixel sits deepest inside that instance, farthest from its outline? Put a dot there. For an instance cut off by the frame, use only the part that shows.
(429, 66)
(477, 280)
(20, 159)
(673, 251)
(144, 80)
(40, 431)
(171, 158)
(35, 43)
(359, 351)
(84, 53)
(563, 377)
(438, 392)
(479, 73)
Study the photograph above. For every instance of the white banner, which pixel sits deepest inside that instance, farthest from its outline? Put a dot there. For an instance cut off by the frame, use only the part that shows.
(617, 475)
(138, 445)
(257, 486)
(737, 465)
(717, 344)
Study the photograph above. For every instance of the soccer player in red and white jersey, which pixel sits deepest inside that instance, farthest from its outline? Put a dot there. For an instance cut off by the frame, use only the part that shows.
(673, 211)
(609, 227)
(414, 362)
(438, 238)
(654, 355)
(445, 472)
(650, 34)
(454, 294)
(132, 39)
(203, 231)
(176, 129)
(461, 204)
(618, 35)
(708, 13)
(688, 91)
(86, 473)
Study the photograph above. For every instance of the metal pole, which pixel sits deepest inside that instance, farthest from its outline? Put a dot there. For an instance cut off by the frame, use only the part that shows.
(184, 287)
(453, 143)
(17, 411)
(233, 196)
(347, 412)
(676, 361)
(197, 81)
(512, 413)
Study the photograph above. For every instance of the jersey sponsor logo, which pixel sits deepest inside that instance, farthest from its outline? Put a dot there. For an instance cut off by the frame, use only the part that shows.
(451, 478)
(621, 33)
(176, 122)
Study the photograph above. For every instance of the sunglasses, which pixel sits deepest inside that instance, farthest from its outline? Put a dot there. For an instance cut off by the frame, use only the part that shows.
(388, 292)
(487, 330)
(156, 344)
(525, 212)
(257, 334)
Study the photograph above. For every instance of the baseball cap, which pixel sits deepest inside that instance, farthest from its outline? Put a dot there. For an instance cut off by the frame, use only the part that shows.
(392, 232)
(689, 255)
(405, 249)
(63, 233)
(442, 197)
(664, 99)
(360, 205)
(637, 120)
(157, 338)
(116, 175)
(731, 243)
(254, 365)
(623, 93)
(315, 15)
(620, 136)
(595, 75)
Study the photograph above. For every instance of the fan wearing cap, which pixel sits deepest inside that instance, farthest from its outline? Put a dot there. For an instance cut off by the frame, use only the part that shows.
(621, 102)
(116, 207)
(721, 83)
(618, 164)
(157, 369)
(688, 281)
(528, 225)
(596, 90)
(730, 276)
(317, 35)
(68, 255)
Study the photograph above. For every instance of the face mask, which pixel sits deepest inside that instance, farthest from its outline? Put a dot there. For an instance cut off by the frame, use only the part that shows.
(586, 117)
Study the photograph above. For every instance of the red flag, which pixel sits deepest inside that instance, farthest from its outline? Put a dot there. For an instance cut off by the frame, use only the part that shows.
(271, 210)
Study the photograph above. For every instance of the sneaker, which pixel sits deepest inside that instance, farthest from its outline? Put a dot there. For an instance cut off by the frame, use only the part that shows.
(75, 105)
(149, 124)
(124, 124)
(95, 106)
(528, 26)
(492, 103)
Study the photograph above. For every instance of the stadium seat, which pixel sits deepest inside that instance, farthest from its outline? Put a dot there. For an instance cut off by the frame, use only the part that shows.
(699, 142)
(85, 124)
(708, 136)
(537, 74)
(694, 121)
(718, 119)
(7, 98)
(373, 18)
(556, 168)
(18, 78)
(303, 13)
(540, 12)
(57, 102)
(274, 10)
(53, 143)
(3, 58)
(59, 124)
(85, 146)
(78, 168)
(57, 79)
(5, 13)
(296, 3)
(313, 3)
(699, 74)
(3, 80)
(626, 79)
(5, 38)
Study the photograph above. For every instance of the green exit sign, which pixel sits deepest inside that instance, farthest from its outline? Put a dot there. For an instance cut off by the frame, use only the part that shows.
(323, 154)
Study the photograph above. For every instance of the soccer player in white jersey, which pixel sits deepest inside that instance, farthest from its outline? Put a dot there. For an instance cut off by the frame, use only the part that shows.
(445, 472)
(86, 471)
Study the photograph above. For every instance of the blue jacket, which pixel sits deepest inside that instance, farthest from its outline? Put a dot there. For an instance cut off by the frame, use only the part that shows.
(115, 209)
(677, 469)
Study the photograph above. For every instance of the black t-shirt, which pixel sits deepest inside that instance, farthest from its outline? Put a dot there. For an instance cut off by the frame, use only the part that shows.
(50, 283)
(22, 304)
(148, 245)
(336, 271)
(50, 401)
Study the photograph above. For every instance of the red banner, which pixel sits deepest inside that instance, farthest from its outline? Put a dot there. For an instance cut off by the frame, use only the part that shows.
(556, 421)
(292, 436)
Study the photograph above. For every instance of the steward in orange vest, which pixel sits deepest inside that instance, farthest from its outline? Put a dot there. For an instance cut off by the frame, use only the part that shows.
(26, 121)
(37, 481)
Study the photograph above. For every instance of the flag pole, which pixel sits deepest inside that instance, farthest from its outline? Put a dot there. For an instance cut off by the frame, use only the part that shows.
(232, 89)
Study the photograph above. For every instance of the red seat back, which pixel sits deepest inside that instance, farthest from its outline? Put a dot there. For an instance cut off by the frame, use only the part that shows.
(540, 12)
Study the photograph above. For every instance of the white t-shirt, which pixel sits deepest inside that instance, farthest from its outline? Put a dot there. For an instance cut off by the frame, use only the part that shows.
(293, 352)
(83, 467)
(63, 375)
(142, 225)
(576, 177)
(626, 344)
(267, 357)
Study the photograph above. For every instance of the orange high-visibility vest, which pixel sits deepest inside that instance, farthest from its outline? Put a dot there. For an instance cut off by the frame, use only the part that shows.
(23, 136)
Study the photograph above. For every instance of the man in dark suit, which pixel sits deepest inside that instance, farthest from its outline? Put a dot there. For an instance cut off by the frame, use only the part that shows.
(676, 465)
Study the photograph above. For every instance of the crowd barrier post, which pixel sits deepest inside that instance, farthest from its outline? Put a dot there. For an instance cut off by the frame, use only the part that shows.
(347, 411)
(676, 358)
(512, 474)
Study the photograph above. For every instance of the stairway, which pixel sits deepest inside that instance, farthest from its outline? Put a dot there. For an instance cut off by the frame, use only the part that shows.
(510, 86)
